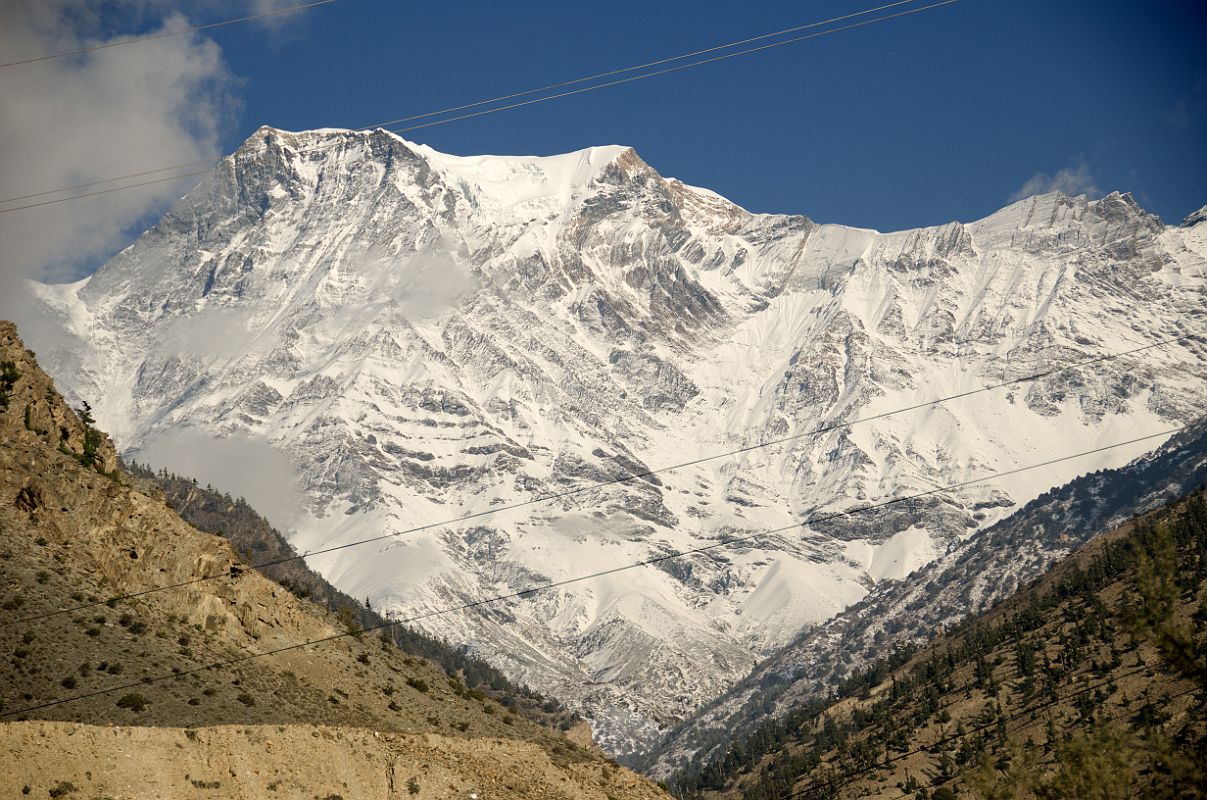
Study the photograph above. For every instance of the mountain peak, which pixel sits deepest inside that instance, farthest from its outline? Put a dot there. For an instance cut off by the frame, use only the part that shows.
(267, 134)
(1195, 218)
(494, 181)
(579, 166)
(527, 174)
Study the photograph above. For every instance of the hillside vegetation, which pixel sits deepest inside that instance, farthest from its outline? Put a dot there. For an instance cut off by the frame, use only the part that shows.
(1088, 684)
(174, 666)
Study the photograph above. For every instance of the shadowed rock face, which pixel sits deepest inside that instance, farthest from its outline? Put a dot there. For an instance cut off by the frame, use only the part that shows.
(426, 336)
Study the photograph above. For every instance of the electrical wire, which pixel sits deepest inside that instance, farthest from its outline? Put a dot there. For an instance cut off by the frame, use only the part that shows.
(385, 125)
(627, 478)
(479, 103)
(533, 590)
(681, 67)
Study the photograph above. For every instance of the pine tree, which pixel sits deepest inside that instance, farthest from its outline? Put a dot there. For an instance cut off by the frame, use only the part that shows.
(92, 437)
(8, 378)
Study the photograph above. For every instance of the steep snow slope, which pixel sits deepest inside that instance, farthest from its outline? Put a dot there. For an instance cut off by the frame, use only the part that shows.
(427, 336)
(969, 579)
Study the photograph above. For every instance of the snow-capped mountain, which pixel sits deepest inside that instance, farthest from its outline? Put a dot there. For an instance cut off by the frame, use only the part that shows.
(427, 336)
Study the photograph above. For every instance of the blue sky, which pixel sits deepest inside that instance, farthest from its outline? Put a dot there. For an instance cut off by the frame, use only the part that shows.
(943, 115)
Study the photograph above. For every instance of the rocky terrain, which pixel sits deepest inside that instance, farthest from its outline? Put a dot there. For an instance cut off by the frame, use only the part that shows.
(422, 336)
(259, 762)
(230, 647)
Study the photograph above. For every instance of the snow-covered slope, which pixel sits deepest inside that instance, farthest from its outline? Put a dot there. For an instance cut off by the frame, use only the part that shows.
(426, 336)
(970, 578)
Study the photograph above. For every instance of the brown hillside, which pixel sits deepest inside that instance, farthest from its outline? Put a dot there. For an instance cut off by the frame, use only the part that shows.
(72, 536)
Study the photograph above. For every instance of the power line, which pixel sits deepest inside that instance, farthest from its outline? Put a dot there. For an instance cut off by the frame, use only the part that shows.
(760, 445)
(107, 191)
(630, 477)
(166, 34)
(385, 125)
(646, 65)
(479, 103)
(681, 67)
(533, 590)
(627, 478)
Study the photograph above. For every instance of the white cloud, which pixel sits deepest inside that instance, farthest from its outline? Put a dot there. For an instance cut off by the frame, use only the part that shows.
(427, 286)
(88, 117)
(243, 466)
(421, 285)
(119, 110)
(280, 21)
(1072, 180)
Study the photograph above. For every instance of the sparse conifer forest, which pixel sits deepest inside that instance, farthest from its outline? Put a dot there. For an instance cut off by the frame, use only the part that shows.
(1089, 684)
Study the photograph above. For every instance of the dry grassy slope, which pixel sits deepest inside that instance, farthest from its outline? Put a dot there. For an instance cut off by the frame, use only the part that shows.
(70, 535)
(1081, 631)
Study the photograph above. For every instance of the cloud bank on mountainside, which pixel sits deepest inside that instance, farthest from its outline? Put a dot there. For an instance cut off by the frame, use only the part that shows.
(85, 118)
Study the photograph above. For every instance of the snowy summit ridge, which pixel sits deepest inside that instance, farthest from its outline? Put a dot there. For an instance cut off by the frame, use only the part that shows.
(426, 336)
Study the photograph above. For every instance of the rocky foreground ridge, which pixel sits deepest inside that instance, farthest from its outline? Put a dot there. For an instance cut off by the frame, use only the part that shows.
(146, 716)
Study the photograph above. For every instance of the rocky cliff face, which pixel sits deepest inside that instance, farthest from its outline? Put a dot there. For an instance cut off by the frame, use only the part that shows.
(426, 336)
(31, 410)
